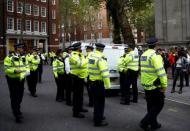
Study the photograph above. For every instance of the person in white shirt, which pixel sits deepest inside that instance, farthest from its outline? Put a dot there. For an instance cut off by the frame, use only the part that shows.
(180, 70)
(68, 78)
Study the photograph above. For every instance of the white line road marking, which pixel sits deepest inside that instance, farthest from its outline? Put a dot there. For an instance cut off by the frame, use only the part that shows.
(172, 100)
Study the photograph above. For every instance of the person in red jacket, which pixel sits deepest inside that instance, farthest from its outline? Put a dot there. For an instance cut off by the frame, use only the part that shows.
(172, 61)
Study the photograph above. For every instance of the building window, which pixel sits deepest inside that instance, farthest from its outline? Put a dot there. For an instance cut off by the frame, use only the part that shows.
(85, 28)
(28, 25)
(19, 7)
(111, 35)
(53, 14)
(53, 28)
(43, 12)
(92, 36)
(36, 10)
(28, 9)
(53, 2)
(19, 22)
(10, 23)
(85, 37)
(43, 0)
(100, 25)
(10, 5)
(43, 27)
(99, 16)
(100, 35)
(36, 26)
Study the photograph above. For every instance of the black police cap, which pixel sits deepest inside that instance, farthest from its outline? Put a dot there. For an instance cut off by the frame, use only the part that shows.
(126, 48)
(99, 45)
(132, 46)
(152, 41)
(89, 47)
(76, 45)
(58, 51)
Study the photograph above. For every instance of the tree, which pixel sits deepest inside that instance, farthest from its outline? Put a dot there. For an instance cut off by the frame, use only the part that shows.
(75, 15)
(120, 11)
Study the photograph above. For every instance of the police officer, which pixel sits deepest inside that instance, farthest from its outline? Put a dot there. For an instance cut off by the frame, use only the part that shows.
(154, 82)
(16, 70)
(89, 50)
(32, 79)
(99, 76)
(79, 71)
(131, 67)
(122, 73)
(67, 76)
(58, 71)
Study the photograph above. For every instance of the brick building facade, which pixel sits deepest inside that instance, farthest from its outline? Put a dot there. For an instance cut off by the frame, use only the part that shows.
(32, 22)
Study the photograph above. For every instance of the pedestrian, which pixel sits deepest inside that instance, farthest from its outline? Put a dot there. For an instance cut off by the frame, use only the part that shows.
(131, 67)
(99, 76)
(154, 82)
(32, 79)
(171, 58)
(79, 70)
(89, 50)
(58, 71)
(16, 69)
(180, 70)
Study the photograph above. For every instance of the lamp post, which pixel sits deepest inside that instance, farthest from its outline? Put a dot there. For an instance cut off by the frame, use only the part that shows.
(63, 36)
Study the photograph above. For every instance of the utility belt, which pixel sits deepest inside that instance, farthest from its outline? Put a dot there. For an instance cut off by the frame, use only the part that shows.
(157, 82)
(96, 82)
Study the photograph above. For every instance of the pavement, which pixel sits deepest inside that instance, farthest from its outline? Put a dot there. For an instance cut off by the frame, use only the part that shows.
(45, 114)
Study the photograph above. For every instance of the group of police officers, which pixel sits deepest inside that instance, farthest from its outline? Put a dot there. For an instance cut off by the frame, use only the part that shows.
(71, 68)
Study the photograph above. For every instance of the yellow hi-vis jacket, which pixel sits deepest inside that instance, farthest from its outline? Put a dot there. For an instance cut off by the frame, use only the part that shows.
(131, 61)
(15, 63)
(58, 67)
(120, 66)
(78, 64)
(98, 68)
(33, 61)
(152, 69)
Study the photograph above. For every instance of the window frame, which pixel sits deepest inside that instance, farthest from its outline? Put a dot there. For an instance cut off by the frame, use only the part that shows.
(18, 19)
(27, 25)
(12, 6)
(8, 23)
(42, 12)
(42, 27)
(26, 9)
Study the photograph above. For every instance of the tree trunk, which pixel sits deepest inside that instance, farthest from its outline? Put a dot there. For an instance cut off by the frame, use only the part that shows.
(126, 29)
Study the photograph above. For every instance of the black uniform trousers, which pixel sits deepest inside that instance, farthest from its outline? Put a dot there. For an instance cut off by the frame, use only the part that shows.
(89, 90)
(122, 84)
(178, 73)
(68, 88)
(32, 81)
(98, 91)
(155, 103)
(187, 78)
(60, 87)
(40, 71)
(78, 89)
(131, 79)
(16, 89)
